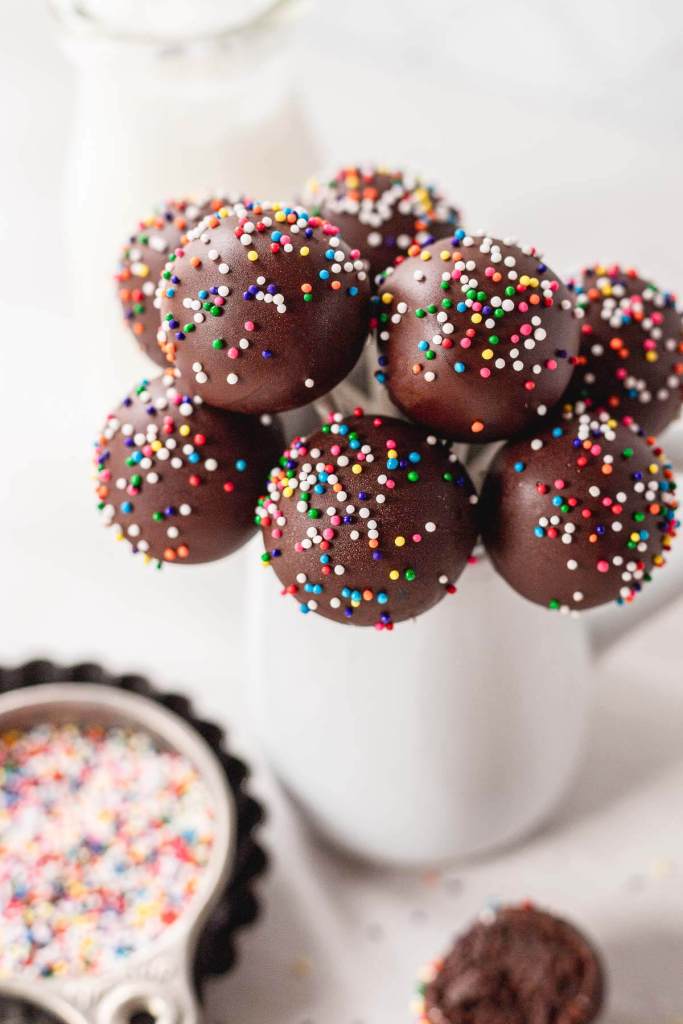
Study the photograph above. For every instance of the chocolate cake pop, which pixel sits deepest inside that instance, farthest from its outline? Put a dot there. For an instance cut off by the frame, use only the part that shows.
(631, 357)
(385, 213)
(369, 521)
(579, 514)
(142, 260)
(516, 965)
(177, 479)
(476, 337)
(265, 308)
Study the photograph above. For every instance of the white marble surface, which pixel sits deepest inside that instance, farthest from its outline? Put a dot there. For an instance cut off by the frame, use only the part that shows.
(560, 124)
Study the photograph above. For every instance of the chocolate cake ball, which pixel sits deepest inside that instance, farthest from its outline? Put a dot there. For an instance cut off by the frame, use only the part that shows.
(631, 357)
(177, 479)
(369, 521)
(516, 965)
(476, 338)
(265, 308)
(578, 514)
(385, 213)
(142, 260)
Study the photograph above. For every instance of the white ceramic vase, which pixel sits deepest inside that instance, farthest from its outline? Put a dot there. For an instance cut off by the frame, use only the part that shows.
(454, 734)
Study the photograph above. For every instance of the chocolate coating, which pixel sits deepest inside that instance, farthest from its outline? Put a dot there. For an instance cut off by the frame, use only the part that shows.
(178, 479)
(631, 357)
(385, 213)
(369, 521)
(141, 262)
(476, 337)
(517, 966)
(265, 309)
(579, 514)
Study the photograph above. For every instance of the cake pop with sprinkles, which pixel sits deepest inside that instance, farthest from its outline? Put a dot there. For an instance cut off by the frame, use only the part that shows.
(579, 514)
(386, 213)
(141, 262)
(515, 965)
(177, 479)
(631, 356)
(265, 308)
(476, 338)
(368, 521)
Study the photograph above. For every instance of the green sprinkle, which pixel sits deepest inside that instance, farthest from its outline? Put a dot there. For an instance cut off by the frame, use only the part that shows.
(409, 575)
(218, 343)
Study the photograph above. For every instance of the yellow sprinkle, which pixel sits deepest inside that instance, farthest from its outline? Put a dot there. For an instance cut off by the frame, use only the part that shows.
(184, 429)
(288, 492)
(651, 357)
(357, 468)
(252, 255)
(487, 353)
(476, 318)
(394, 574)
(156, 445)
(392, 454)
(387, 298)
(399, 541)
(524, 279)
(304, 250)
(279, 216)
(424, 255)
(444, 254)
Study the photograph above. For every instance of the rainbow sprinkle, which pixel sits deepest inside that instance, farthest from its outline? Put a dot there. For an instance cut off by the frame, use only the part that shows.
(103, 840)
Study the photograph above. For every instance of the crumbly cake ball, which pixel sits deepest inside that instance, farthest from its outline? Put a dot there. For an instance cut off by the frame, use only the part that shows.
(579, 514)
(385, 213)
(631, 357)
(515, 965)
(177, 479)
(265, 308)
(141, 262)
(476, 338)
(368, 521)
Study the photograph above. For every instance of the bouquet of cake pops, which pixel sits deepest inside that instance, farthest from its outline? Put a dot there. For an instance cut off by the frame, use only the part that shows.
(435, 358)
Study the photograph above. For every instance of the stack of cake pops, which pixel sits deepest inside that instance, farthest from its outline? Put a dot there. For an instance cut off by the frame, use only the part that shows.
(471, 358)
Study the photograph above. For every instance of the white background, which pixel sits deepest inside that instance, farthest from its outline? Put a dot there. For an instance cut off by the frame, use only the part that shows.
(560, 123)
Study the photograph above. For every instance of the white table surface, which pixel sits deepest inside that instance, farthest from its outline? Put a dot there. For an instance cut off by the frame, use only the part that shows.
(584, 106)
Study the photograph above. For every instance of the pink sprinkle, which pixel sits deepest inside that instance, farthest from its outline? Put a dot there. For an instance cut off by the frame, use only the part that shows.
(417, 537)
(602, 566)
(233, 352)
(484, 372)
(249, 325)
(525, 330)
